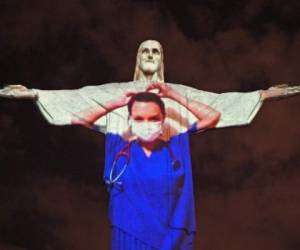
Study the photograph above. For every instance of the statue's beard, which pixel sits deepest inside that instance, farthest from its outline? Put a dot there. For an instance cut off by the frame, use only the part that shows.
(149, 67)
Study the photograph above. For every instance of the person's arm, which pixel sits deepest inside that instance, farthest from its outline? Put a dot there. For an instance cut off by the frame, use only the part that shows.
(206, 115)
(88, 117)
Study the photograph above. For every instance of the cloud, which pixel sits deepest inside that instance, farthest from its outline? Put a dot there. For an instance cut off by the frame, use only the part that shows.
(53, 213)
(78, 33)
(252, 217)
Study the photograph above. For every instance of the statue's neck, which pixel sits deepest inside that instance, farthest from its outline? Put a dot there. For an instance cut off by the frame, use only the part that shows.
(149, 77)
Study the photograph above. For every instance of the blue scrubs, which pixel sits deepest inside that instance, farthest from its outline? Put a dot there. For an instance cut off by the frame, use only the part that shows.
(152, 203)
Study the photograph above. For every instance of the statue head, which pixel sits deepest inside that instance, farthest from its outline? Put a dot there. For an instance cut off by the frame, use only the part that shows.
(149, 62)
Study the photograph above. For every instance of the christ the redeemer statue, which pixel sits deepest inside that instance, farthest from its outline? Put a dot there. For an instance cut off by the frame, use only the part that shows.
(147, 163)
(60, 106)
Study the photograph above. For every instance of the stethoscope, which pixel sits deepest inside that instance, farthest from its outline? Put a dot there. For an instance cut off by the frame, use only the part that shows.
(112, 181)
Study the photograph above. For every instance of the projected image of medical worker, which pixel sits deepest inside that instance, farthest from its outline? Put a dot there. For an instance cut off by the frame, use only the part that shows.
(148, 170)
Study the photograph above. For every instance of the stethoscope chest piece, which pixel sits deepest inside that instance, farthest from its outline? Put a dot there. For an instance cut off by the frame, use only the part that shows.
(117, 184)
(176, 164)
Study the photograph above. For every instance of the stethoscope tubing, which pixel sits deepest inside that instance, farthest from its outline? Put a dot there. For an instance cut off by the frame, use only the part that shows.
(125, 151)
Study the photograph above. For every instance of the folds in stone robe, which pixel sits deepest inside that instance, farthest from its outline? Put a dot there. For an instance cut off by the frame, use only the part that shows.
(59, 106)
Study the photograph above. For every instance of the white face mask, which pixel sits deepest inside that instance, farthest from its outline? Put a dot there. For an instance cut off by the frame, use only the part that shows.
(145, 130)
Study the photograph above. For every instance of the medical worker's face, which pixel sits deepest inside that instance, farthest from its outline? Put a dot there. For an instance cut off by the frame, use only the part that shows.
(146, 121)
(146, 112)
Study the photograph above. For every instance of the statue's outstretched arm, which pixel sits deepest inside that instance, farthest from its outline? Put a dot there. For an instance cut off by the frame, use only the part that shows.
(238, 108)
(60, 106)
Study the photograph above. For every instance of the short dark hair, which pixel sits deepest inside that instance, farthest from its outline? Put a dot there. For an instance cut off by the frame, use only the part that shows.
(147, 97)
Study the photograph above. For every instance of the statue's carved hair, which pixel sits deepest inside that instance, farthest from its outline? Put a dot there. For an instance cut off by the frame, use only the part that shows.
(138, 72)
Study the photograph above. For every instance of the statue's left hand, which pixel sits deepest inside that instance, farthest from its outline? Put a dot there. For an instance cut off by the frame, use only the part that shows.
(280, 91)
(292, 90)
(18, 92)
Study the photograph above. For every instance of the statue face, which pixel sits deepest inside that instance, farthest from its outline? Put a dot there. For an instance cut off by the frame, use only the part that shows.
(150, 57)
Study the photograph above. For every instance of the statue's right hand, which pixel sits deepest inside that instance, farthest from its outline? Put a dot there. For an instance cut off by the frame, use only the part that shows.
(18, 92)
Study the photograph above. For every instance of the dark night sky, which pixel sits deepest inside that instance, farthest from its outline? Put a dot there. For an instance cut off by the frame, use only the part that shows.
(246, 179)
